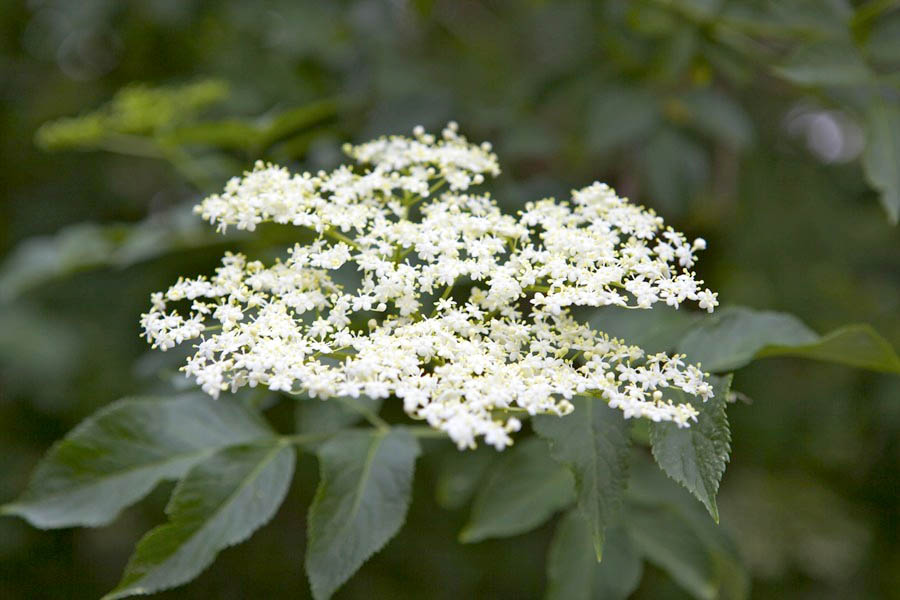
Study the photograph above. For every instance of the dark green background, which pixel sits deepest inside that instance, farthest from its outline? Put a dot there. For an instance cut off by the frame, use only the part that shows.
(674, 103)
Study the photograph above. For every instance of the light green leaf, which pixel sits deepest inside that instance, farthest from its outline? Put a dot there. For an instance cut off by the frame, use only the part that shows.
(524, 489)
(219, 503)
(696, 456)
(665, 539)
(229, 133)
(832, 62)
(735, 336)
(572, 572)
(881, 157)
(593, 441)
(117, 456)
(360, 504)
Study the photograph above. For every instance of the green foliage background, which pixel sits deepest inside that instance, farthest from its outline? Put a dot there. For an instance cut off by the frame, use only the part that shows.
(771, 129)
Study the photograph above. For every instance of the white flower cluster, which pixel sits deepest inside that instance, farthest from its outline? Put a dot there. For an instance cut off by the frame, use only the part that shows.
(438, 299)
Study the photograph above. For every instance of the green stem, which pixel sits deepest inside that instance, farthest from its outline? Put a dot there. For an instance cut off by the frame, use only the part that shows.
(336, 235)
(424, 431)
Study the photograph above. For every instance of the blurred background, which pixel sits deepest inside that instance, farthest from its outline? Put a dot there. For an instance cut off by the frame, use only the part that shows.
(756, 125)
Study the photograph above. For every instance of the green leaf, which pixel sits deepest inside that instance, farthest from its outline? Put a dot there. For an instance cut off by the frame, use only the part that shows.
(732, 336)
(696, 456)
(881, 157)
(656, 330)
(620, 116)
(313, 415)
(826, 63)
(735, 336)
(593, 441)
(665, 539)
(234, 134)
(719, 116)
(572, 572)
(674, 167)
(648, 487)
(360, 504)
(117, 456)
(854, 345)
(219, 503)
(460, 474)
(297, 119)
(524, 489)
(88, 246)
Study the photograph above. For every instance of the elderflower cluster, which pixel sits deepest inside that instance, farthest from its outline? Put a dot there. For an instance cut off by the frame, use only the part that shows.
(435, 296)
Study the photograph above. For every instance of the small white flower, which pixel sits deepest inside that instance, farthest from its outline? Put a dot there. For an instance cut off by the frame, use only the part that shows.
(460, 365)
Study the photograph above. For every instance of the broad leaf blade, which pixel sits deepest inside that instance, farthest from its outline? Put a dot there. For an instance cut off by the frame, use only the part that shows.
(460, 474)
(361, 502)
(656, 330)
(854, 345)
(524, 489)
(696, 456)
(117, 456)
(731, 338)
(665, 539)
(220, 502)
(735, 336)
(572, 572)
(85, 246)
(592, 441)
(648, 487)
(313, 415)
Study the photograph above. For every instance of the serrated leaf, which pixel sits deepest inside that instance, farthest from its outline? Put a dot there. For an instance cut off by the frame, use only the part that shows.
(665, 539)
(360, 504)
(117, 456)
(735, 336)
(881, 156)
(524, 489)
(649, 487)
(219, 503)
(830, 62)
(593, 441)
(572, 572)
(696, 456)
